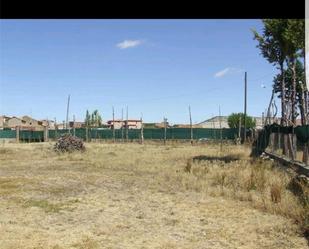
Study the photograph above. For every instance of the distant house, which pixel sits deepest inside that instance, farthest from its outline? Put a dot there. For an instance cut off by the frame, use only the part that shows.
(162, 125)
(134, 123)
(33, 123)
(60, 126)
(214, 122)
(13, 122)
(258, 122)
(25, 123)
(185, 126)
(131, 124)
(50, 124)
(76, 124)
(3, 121)
(149, 125)
(116, 124)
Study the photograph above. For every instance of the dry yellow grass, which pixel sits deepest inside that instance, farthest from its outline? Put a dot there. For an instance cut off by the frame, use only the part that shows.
(144, 196)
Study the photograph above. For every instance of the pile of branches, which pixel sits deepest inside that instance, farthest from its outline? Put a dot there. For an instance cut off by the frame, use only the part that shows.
(69, 143)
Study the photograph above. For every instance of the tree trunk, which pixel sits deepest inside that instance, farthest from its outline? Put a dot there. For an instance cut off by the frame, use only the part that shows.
(293, 111)
(302, 107)
(304, 110)
(293, 97)
(304, 119)
(283, 110)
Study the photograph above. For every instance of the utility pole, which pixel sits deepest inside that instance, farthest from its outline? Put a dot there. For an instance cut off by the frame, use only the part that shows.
(191, 130)
(68, 107)
(245, 107)
(113, 125)
(127, 125)
(165, 121)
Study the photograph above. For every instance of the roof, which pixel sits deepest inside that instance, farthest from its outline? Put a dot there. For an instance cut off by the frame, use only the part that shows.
(28, 117)
(115, 120)
(214, 119)
(17, 118)
(223, 118)
(129, 120)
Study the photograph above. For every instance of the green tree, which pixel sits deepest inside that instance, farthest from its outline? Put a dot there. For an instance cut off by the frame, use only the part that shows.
(96, 119)
(87, 119)
(299, 87)
(294, 36)
(234, 118)
(93, 120)
(282, 43)
(274, 47)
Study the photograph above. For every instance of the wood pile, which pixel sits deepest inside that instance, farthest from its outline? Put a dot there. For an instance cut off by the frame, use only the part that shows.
(69, 143)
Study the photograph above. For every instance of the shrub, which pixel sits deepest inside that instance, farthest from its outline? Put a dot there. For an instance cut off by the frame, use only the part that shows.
(275, 193)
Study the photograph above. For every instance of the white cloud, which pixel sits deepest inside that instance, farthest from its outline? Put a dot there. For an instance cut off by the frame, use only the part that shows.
(226, 71)
(222, 73)
(129, 44)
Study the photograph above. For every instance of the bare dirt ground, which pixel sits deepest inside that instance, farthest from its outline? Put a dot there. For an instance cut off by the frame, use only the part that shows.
(136, 196)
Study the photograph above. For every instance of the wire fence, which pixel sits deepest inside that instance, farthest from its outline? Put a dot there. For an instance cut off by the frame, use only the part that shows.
(290, 142)
(149, 133)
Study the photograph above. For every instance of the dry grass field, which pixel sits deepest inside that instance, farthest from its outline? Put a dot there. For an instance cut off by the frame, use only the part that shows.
(145, 196)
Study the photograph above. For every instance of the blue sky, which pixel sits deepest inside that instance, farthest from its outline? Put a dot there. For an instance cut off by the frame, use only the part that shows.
(155, 67)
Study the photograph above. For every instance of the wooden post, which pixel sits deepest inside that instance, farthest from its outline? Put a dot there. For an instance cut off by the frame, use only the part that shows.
(142, 130)
(74, 126)
(220, 129)
(46, 134)
(191, 130)
(127, 125)
(268, 111)
(245, 107)
(113, 125)
(122, 125)
(214, 128)
(239, 129)
(67, 118)
(165, 119)
(56, 129)
(17, 133)
(87, 139)
(306, 153)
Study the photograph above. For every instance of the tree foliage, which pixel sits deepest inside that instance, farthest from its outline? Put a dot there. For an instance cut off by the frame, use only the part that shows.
(272, 41)
(282, 43)
(300, 80)
(234, 118)
(93, 120)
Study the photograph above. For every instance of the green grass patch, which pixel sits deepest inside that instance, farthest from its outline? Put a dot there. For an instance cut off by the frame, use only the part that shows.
(44, 204)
